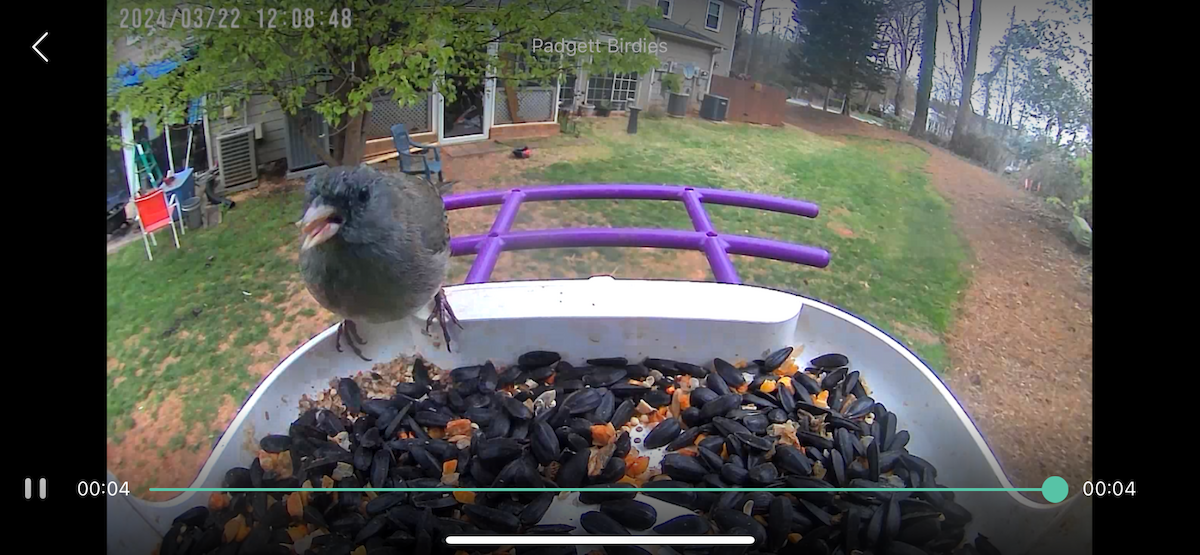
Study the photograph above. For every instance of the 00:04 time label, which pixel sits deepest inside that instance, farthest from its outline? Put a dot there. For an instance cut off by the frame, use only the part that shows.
(1115, 489)
(96, 489)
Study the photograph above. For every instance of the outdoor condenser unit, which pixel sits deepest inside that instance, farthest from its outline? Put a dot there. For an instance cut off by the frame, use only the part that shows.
(713, 107)
(236, 159)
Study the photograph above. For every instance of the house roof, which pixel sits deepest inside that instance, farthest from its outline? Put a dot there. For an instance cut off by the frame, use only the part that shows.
(669, 27)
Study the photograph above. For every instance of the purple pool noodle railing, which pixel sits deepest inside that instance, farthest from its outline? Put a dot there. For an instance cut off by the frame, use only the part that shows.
(716, 247)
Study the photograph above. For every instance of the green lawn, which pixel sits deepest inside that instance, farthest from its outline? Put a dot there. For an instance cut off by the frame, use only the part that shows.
(896, 259)
(187, 325)
(183, 323)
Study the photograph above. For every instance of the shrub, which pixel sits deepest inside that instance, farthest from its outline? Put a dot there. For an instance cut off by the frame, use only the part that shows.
(985, 150)
(655, 112)
(895, 122)
(672, 82)
(1065, 181)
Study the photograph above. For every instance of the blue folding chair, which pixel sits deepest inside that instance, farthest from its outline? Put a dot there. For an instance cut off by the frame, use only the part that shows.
(409, 159)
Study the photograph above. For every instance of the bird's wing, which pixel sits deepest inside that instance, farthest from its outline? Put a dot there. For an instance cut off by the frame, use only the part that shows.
(424, 205)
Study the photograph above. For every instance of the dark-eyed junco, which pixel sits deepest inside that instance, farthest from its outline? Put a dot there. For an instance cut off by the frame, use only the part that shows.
(375, 247)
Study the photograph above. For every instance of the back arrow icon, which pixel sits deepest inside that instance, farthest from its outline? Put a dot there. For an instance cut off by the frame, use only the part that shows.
(39, 41)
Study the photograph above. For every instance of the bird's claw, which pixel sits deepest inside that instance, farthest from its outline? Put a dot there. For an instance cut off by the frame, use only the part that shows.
(442, 312)
(350, 330)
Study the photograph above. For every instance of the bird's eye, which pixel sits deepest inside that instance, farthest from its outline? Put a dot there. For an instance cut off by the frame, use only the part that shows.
(364, 195)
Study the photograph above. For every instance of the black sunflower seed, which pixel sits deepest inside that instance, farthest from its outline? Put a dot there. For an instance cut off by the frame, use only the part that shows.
(630, 513)
(623, 412)
(729, 373)
(830, 360)
(684, 525)
(538, 358)
(720, 406)
(596, 522)
(717, 384)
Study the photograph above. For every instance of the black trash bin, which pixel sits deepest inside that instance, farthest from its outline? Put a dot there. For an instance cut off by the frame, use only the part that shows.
(633, 115)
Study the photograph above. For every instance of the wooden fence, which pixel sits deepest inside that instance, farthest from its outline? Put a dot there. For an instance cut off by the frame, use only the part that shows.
(751, 102)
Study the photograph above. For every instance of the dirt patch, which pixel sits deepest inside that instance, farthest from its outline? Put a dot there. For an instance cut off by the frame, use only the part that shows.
(300, 329)
(917, 334)
(136, 458)
(840, 228)
(1021, 346)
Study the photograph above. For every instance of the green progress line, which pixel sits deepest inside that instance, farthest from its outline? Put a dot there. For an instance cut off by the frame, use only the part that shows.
(610, 490)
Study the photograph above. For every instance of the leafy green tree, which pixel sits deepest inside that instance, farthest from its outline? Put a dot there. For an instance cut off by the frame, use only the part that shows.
(837, 46)
(336, 57)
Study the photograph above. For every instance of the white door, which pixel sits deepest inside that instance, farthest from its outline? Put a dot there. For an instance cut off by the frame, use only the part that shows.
(469, 116)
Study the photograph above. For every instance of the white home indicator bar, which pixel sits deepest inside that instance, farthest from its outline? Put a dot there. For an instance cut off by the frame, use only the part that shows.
(568, 539)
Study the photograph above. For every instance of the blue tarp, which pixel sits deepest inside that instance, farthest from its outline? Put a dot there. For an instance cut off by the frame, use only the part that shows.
(130, 74)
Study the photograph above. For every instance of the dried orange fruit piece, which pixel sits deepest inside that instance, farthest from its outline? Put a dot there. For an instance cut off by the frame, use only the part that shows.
(297, 532)
(603, 434)
(767, 386)
(465, 497)
(218, 501)
(295, 505)
(232, 527)
(450, 466)
(822, 400)
(639, 466)
(460, 427)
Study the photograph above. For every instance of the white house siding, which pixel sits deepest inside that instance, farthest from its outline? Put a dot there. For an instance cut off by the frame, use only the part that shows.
(259, 109)
(681, 54)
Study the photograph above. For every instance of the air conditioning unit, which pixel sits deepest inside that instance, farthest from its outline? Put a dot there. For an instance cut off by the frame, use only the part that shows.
(714, 108)
(236, 159)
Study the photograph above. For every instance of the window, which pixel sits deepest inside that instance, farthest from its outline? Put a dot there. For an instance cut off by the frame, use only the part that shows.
(615, 89)
(665, 6)
(713, 21)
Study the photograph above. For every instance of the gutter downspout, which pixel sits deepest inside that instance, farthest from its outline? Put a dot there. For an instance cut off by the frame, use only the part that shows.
(131, 175)
(712, 65)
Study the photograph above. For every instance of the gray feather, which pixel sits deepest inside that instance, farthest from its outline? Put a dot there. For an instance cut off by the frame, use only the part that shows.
(392, 253)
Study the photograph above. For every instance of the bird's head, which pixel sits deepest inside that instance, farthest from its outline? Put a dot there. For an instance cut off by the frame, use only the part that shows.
(343, 202)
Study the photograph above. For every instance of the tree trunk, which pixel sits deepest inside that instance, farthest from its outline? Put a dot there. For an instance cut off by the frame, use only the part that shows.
(1059, 132)
(510, 97)
(825, 106)
(754, 21)
(925, 84)
(964, 104)
(987, 99)
(355, 143)
(1003, 61)
(846, 104)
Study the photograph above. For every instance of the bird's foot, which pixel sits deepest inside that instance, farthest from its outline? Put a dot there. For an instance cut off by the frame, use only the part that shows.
(350, 330)
(443, 313)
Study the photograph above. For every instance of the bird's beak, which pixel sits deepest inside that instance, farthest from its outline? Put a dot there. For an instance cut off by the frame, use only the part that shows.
(317, 226)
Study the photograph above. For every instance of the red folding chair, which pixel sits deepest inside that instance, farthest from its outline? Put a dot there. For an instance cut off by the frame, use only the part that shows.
(153, 214)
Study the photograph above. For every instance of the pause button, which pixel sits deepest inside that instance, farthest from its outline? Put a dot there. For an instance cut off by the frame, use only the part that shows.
(29, 488)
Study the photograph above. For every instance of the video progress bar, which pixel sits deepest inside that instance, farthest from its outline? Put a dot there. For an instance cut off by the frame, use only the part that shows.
(567, 539)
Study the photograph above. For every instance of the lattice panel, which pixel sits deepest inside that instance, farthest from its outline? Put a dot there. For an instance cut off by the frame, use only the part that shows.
(533, 105)
(387, 113)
